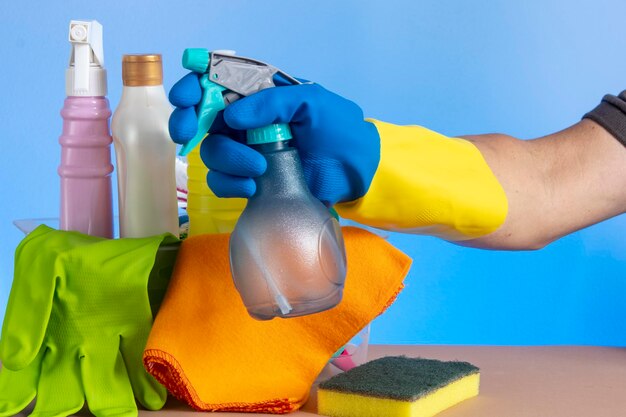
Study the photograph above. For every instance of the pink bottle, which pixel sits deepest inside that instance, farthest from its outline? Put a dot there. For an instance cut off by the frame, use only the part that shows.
(85, 170)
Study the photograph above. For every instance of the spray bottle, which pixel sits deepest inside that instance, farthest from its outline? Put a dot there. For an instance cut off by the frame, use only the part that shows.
(85, 170)
(145, 153)
(286, 252)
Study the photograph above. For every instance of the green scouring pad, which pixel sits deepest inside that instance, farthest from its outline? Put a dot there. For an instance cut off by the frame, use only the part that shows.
(397, 386)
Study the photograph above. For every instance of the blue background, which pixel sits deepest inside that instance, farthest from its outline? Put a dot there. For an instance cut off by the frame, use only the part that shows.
(460, 67)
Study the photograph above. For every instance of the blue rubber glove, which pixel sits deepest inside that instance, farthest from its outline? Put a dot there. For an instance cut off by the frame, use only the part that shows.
(339, 150)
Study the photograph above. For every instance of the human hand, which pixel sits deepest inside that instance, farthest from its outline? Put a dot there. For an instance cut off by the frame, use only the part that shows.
(77, 321)
(339, 150)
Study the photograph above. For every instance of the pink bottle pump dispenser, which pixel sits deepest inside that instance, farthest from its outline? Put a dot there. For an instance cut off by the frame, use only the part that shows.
(85, 169)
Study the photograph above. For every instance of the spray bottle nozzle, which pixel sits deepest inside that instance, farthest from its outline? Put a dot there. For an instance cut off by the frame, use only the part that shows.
(196, 59)
(225, 78)
(86, 75)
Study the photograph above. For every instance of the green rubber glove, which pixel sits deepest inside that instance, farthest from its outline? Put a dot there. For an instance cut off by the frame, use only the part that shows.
(77, 321)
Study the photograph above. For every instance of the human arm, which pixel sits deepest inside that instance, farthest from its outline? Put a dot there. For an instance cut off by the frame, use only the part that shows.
(489, 191)
(555, 184)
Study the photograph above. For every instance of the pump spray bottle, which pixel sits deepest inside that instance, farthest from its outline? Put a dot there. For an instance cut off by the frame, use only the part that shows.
(86, 168)
(287, 254)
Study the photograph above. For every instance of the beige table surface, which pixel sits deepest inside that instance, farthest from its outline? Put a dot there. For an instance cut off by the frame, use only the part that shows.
(515, 381)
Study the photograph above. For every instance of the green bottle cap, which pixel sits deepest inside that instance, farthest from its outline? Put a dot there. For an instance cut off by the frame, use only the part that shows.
(269, 134)
(196, 59)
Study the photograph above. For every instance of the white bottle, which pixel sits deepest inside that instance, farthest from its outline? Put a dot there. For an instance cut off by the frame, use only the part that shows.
(145, 153)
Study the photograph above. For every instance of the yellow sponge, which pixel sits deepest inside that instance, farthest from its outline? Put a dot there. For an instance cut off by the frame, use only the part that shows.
(398, 386)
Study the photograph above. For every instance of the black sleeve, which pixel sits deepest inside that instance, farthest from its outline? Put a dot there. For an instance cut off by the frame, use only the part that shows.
(611, 115)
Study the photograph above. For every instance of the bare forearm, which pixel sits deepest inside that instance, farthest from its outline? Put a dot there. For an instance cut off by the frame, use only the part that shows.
(555, 185)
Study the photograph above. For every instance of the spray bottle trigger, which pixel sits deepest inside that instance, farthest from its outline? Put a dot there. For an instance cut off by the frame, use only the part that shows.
(211, 103)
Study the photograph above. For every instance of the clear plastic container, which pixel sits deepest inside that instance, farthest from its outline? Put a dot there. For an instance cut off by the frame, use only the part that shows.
(352, 354)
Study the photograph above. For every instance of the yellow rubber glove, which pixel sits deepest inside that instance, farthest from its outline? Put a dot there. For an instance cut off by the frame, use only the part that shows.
(428, 183)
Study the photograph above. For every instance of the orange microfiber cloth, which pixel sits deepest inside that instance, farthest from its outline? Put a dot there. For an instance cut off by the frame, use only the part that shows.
(207, 350)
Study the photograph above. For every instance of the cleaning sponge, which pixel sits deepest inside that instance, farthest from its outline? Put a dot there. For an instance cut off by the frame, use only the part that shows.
(397, 386)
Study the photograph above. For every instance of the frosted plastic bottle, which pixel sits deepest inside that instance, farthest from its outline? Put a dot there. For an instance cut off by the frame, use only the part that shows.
(85, 169)
(207, 212)
(287, 253)
(145, 153)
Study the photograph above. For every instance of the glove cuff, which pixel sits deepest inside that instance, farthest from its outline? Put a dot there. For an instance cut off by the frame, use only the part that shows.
(427, 183)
